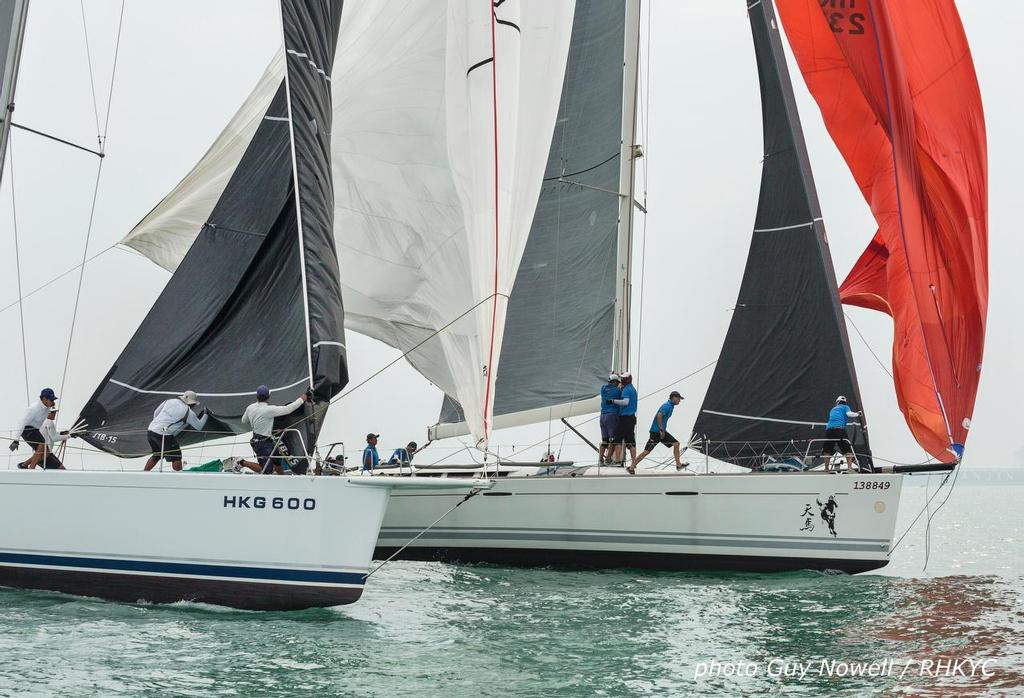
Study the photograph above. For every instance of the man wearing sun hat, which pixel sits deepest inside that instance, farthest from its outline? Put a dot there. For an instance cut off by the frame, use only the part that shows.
(170, 419)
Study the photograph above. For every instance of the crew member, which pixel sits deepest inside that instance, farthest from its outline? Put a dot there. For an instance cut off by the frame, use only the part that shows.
(611, 392)
(259, 416)
(370, 457)
(835, 434)
(51, 437)
(625, 438)
(169, 419)
(404, 456)
(28, 428)
(659, 433)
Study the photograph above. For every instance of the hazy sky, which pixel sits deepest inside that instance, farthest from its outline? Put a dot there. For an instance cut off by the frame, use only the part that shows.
(186, 65)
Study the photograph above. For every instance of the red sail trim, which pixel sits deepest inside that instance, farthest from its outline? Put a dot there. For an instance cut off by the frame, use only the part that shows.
(898, 93)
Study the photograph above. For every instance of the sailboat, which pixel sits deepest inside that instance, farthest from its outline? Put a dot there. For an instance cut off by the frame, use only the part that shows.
(507, 237)
(264, 275)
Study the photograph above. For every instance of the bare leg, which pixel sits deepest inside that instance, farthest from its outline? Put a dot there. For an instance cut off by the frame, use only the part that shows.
(37, 456)
(255, 467)
(849, 463)
(637, 459)
(675, 454)
(151, 463)
(176, 465)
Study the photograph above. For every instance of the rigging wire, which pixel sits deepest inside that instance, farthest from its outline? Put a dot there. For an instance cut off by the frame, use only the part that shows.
(101, 137)
(17, 267)
(863, 339)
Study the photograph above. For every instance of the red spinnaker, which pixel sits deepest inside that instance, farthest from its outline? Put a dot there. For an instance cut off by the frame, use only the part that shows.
(895, 83)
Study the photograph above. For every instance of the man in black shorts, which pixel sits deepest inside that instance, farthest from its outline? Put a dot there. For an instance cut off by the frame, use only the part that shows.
(170, 418)
(659, 433)
(28, 429)
(625, 435)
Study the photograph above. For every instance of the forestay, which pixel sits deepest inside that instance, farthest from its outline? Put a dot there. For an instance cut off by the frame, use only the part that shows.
(786, 355)
(256, 298)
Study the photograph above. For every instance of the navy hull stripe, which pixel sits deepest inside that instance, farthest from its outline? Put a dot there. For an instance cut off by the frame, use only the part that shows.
(184, 568)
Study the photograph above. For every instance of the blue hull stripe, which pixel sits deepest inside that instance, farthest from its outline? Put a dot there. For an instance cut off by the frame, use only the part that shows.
(184, 568)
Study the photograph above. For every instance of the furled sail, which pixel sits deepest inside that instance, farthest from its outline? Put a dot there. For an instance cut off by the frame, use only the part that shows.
(256, 298)
(13, 16)
(427, 98)
(568, 306)
(786, 354)
(896, 86)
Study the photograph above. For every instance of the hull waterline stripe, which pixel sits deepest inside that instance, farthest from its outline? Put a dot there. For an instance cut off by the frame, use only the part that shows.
(678, 541)
(611, 532)
(181, 568)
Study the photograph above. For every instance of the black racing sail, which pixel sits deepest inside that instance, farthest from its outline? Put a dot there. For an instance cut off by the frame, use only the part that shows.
(562, 330)
(786, 356)
(257, 299)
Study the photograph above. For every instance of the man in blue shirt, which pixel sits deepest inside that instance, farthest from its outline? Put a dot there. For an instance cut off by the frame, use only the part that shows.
(625, 438)
(370, 458)
(404, 456)
(836, 436)
(610, 396)
(659, 433)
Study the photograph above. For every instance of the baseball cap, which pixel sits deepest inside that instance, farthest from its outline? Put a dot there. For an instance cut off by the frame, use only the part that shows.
(189, 397)
(625, 374)
(48, 394)
(263, 392)
(613, 377)
(841, 398)
(412, 445)
(675, 393)
(371, 435)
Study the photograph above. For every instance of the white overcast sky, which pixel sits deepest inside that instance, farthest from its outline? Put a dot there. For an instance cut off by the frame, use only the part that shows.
(186, 65)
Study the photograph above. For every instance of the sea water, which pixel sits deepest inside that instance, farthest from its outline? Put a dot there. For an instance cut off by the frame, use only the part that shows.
(481, 630)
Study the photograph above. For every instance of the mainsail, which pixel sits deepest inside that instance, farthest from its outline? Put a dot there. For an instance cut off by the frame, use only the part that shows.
(786, 355)
(896, 86)
(13, 15)
(428, 97)
(568, 312)
(256, 299)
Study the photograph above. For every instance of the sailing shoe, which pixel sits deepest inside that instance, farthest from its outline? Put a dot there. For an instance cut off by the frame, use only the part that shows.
(684, 464)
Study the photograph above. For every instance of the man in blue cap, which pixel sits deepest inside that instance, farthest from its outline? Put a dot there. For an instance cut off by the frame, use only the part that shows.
(659, 433)
(28, 428)
(259, 416)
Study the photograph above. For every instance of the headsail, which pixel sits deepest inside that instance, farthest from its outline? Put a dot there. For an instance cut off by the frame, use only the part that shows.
(786, 355)
(241, 310)
(414, 178)
(13, 16)
(897, 89)
(568, 311)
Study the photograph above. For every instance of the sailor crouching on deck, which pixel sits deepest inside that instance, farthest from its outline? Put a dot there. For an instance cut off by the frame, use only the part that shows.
(170, 419)
(28, 428)
(835, 434)
(259, 416)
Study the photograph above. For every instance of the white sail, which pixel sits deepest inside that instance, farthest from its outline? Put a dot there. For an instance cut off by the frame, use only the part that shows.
(424, 258)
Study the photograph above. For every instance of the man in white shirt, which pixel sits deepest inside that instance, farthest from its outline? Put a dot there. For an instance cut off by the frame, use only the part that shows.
(28, 428)
(52, 437)
(259, 416)
(169, 419)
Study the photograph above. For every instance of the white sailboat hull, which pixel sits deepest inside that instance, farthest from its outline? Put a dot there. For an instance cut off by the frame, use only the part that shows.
(252, 542)
(751, 522)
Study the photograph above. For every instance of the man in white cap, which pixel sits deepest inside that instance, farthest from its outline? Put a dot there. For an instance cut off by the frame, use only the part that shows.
(835, 433)
(611, 395)
(52, 437)
(169, 419)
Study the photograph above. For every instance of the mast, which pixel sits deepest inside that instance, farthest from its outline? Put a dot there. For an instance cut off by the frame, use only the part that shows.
(297, 196)
(627, 167)
(12, 36)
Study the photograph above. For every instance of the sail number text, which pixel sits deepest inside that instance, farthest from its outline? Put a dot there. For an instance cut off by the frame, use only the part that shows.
(872, 485)
(839, 20)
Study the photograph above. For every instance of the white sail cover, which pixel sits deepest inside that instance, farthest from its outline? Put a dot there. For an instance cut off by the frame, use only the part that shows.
(443, 115)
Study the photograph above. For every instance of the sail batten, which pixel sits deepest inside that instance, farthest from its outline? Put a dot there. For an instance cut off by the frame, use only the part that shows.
(786, 355)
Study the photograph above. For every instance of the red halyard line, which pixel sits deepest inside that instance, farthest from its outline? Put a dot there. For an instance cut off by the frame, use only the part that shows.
(494, 305)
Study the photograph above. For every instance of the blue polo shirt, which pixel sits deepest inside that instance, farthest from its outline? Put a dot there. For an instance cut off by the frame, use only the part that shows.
(837, 417)
(402, 456)
(610, 391)
(665, 411)
(374, 458)
(629, 409)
